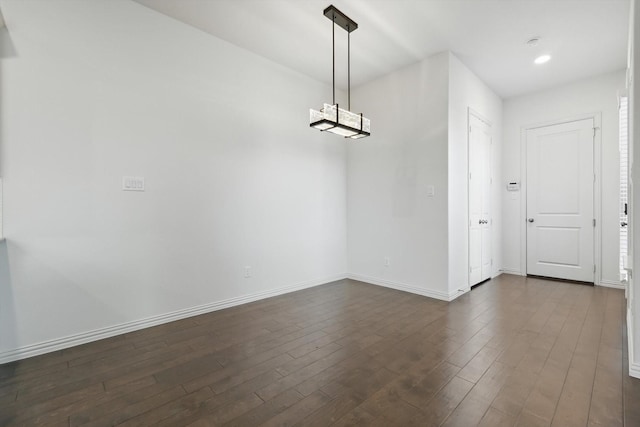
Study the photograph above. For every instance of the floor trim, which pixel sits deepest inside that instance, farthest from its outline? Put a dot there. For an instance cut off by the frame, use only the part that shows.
(634, 368)
(611, 284)
(514, 272)
(111, 331)
(407, 288)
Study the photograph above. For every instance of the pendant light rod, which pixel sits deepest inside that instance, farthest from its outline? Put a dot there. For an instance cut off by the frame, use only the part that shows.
(333, 41)
(348, 25)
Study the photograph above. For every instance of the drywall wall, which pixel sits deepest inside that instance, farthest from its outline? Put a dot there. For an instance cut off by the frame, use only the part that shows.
(399, 235)
(234, 176)
(390, 215)
(594, 95)
(467, 91)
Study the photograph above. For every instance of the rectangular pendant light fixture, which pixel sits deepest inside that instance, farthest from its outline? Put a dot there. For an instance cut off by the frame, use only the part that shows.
(332, 118)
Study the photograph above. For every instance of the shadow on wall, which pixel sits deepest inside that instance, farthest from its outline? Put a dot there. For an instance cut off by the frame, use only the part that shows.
(7, 49)
(8, 332)
(8, 335)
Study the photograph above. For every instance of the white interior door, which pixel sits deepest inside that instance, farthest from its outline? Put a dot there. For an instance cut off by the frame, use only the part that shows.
(560, 212)
(479, 201)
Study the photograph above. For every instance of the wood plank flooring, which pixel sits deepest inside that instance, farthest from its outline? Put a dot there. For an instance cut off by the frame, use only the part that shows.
(514, 351)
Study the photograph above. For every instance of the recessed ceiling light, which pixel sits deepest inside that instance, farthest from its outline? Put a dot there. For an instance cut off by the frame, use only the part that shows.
(542, 59)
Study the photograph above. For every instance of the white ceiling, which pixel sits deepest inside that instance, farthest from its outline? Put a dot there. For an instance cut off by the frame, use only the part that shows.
(584, 37)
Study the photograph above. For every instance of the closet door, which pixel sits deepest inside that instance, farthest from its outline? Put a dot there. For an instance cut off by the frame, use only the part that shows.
(479, 200)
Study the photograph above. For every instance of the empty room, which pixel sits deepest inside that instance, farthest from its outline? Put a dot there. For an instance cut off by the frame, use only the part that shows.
(319, 213)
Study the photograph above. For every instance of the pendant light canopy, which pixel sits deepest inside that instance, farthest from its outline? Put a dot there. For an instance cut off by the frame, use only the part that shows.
(331, 117)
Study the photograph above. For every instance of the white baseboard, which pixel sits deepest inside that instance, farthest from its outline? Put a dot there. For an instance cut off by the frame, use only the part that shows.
(461, 291)
(634, 367)
(111, 331)
(611, 284)
(514, 272)
(634, 370)
(407, 288)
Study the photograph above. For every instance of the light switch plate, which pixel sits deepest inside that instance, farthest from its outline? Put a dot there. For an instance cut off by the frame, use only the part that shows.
(431, 191)
(133, 183)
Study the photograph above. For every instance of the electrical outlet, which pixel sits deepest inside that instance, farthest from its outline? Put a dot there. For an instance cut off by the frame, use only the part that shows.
(387, 261)
(247, 271)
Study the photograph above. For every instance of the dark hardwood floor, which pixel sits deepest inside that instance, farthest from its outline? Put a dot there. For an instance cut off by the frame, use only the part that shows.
(513, 351)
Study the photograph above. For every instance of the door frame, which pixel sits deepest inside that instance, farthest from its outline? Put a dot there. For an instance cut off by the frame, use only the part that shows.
(471, 112)
(597, 188)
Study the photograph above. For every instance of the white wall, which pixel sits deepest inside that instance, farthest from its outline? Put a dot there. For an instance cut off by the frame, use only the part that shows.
(466, 91)
(234, 175)
(389, 213)
(419, 139)
(594, 95)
